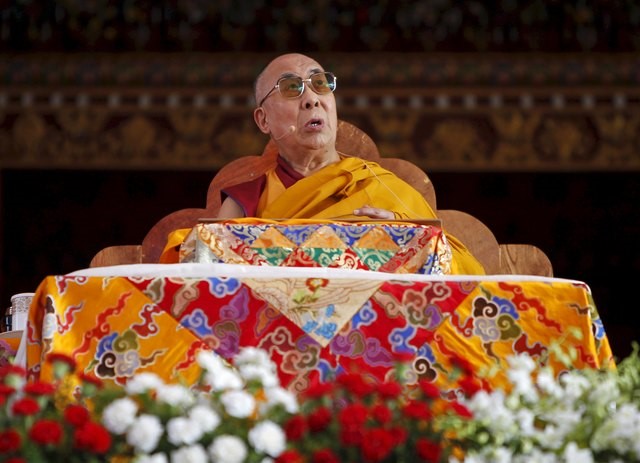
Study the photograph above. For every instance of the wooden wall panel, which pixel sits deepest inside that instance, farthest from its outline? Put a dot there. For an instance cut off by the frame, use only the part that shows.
(455, 112)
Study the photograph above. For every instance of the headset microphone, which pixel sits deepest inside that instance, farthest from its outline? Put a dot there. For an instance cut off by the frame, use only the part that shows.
(290, 130)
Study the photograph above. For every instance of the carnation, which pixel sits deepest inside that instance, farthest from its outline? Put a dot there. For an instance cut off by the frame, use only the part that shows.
(144, 434)
(191, 454)
(181, 430)
(268, 437)
(239, 404)
(228, 449)
(175, 395)
(207, 419)
(143, 382)
(119, 415)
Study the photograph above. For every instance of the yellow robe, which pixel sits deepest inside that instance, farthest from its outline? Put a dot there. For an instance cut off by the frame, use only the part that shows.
(334, 192)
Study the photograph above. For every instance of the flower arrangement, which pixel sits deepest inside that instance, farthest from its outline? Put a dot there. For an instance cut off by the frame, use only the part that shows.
(583, 416)
(230, 416)
(239, 413)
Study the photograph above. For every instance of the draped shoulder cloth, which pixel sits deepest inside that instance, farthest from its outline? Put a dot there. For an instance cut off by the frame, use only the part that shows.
(334, 192)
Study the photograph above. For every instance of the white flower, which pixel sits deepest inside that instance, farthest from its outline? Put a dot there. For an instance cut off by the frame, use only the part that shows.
(252, 355)
(519, 374)
(190, 454)
(280, 396)
(621, 432)
(546, 381)
(175, 395)
(604, 393)
(268, 437)
(119, 415)
(210, 361)
(574, 385)
(228, 449)
(143, 382)
(144, 434)
(574, 454)
(223, 379)
(525, 419)
(155, 458)
(239, 404)
(207, 419)
(264, 374)
(181, 430)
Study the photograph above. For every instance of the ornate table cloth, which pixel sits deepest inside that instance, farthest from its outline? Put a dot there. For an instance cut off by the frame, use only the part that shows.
(119, 321)
(384, 246)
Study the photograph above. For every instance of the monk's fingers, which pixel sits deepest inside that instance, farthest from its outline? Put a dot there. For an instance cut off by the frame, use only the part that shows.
(374, 213)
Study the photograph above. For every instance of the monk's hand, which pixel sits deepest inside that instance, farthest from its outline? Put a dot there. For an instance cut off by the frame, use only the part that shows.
(374, 212)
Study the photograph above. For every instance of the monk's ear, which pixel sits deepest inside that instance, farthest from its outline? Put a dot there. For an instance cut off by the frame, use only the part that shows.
(260, 117)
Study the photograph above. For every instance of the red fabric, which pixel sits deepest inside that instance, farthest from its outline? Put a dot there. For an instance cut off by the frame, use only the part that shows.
(247, 194)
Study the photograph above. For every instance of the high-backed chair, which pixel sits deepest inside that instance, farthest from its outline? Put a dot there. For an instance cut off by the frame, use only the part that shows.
(496, 258)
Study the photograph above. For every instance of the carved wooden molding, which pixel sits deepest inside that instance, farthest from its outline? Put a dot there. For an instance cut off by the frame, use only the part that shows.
(442, 112)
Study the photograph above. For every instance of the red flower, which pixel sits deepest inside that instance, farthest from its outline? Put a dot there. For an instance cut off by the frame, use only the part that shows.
(399, 434)
(12, 369)
(381, 413)
(469, 385)
(417, 410)
(351, 436)
(290, 456)
(461, 410)
(324, 456)
(462, 364)
(314, 283)
(25, 406)
(16, 460)
(319, 419)
(295, 428)
(6, 390)
(428, 450)
(353, 415)
(377, 444)
(56, 357)
(9, 441)
(46, 432)
(429, 389)
(39, 388)
(389, 390)
(352, 418)
(92, 437)
(91, 379)
(76, 415)
(355, 384)
(318, 390)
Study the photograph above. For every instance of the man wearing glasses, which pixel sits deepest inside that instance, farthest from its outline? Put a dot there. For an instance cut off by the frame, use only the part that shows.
(297, 108)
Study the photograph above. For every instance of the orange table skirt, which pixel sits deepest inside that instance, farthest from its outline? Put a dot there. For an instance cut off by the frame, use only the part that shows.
(312, 325)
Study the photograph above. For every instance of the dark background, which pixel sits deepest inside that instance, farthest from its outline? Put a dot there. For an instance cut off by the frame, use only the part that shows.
(588, 223)
(54, 221)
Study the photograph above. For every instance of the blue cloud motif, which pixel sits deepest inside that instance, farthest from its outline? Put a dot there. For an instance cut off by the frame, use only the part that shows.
(505, 306)
(327, 330)
(309, 326)
(598, 328)
(327, 371)
(106, 344)
(223, 286)
(197, 322)
(425, 351)
(399, 339)
(330, 310)
(364, 317)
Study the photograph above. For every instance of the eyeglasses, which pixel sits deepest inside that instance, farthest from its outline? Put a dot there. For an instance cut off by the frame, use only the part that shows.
(293, 86)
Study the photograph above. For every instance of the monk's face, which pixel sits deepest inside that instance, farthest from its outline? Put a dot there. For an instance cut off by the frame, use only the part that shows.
(309, 121)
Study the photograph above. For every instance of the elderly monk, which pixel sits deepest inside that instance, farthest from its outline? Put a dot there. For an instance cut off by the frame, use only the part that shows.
(297, 108)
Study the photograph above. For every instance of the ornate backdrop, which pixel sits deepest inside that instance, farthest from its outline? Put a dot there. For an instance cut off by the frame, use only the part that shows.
(445, 112)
